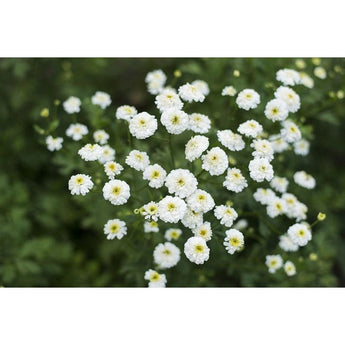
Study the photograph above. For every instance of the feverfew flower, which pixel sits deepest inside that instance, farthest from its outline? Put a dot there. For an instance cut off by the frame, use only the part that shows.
(155, 174)
(215, 161)
(202, 86)
(108, 154)
(200, 201)
(181, 182)
(150, 211)
(226, 214)
(138, 160)
(301, 147)
(143, 125)
(116, 191)
(155, 279)
(304, 180)
(54, 144)
(175, 121)
(72, 105)
(290, 132)
(289, 96)
(273, 262)
(155, 81)
(90, 152)
(199, 123)
(250, 128)
(320, 72)
(276, 110)
(286, 244)
(125, 112)
(168, 99)
(264, 196)
(306, 80)
(151, 226)
(289, 268)
(166, 255)
(299, 234)
(196, 250)
(248, 99)
(234, 241)
(115, 228)
(294, 208)
(279, 184)
(101, 137)
(260, 169)
(171, 209)
(278, 143)
(276, 207)
(192, 219)
(76, 131)
(80, 184)
(230, 140)
(190, 93)
(173, 234)
(112, 169)
(203, 230)
(241, 224)
(263, 149)
(195, 147)
(101, 98)
(229, 91)
(235, 181)
(288, 77)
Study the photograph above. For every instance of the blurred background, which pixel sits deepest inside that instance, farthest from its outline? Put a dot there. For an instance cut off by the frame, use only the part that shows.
(48, 238)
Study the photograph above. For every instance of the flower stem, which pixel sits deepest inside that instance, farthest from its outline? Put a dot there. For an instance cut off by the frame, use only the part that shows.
(171, 152)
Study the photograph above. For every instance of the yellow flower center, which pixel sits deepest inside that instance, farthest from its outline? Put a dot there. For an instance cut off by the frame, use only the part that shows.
(114, 228)
(199, 248)
(171, 207)
(116, 190)
(154, 277)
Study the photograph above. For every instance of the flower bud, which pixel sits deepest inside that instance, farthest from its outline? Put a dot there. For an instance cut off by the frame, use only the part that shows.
(321, 216)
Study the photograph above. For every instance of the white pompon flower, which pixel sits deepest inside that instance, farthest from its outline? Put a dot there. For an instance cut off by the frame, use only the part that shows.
(125, 112)
(278, 143)
(276, 207)
(190, 93)
(260, 169)
(76, 131)
(143, 125)
(101, 98)
(235, 181)
(202, 86)
(226, 214)
(196, 250)
(299, 234)
(173, 234)
(195, 147)
(294, 208)
(151, 226)
(248, 99)
(306, 80)
(101, 137)
(175, 121)
(279, 184)
(168, 99)
(181, 182)
(320, 72)
(289, 268)
(203, 230)
(80, 184)
(155, 174)
(274, 262)
(304, 180)
(155, 81)
(241, 224)
(138, 160)
(250, 128)
(155, 279)
(215, 161)
(264, 196)
(231, 140)
(199, 123)
(288, 77)
(72, 105)
(229, 91)
(234, 241)
(108, 154)
(112, 169)
(166, 255)
(116, 191)
(200, 201)
(171, 209)
(115, 228)
(290, 132)
(301, 147)
(192, 219)
(290, 97)
(262, 149)
(54, 144)
(276, 110)
(90, 152)
(150, 211)
(286, 244)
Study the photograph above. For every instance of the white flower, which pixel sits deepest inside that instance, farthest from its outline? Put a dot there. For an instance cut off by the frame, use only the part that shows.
(273, 262)
(155, 279)
(286, 244)
(235, 181)
(54, 144)
(276, 110)
(200, 201)
(112, 169)
(192, 219)
(304, 180)
(278, 143)
(294, 208)
(101, 98)
(301, 147)
(125, 112)
(263, 149)
(196, 250)
(190, 93)
(280, 184)
(195, 147)
(155, 174)
(264, 196)
(199, 123)
(202, 86)
(181, 182)
(116, 191)
(143, 125)
(229, 91)
(175, 121)
(138, 160)
(320, 72)
(76, 131)
(215, 161)
(250, 128)
(290, 132)
(108, 154)
(306, 80)
(260, 169)
(115, 228)
(171, 209)
(155, 81)
(173, 234)
(234, 241)
(226, 214)
(203, 230)
(241, 224)
(166, 255)
(289, 268)
(90, 152)
(289, 96)
(101, 137)
(299, 234)
(288, 77)
(80, 184)
(231, 140)
(168, 99)
(151, 226)
(150, 211)
(72, 105)
(248, 99)
(276, 206)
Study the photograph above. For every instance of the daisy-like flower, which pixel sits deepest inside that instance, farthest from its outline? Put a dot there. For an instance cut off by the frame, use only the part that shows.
(234, 241)
(166, 255)
(72, 105)
(90, 152)
(273, 262)
(54, 144)
(278, 143)
(175, 121)
(76, 131)
(181, 182)
(155, 81)
(171, 209)
(151, 226)
(231, 140)
(155, 174)
(168, 99)
(125, 112)
(226, 214)
(101, 137)
(248, 99)
(294, 208)
(108, 154)
(304, 180)
(101, 98)
(202, 86)
(138, 160)
(241, 224)
(301, 147)
(289, 268)
(112, 169)
(200, 201)
(116, 191)
(235, 181)
(155, 279)
(264, 196)
(263, 149)
(192, 219)
(290, 97)
(143, 125)
(320, 72)
(288, 77)
(196, 250)
(215, 161)
(250, 128)
(195, 147)
(150, 211)
(199, 123)
(229, 91)
(279, 184)
(190, 93)
(115, 228)
(286, 244)
(276, 110)
(204, 231)
(276, 207)
(80, 184)
(306, 80)
(299, 234)
(290, 132)
(260, 169)
(173, 234)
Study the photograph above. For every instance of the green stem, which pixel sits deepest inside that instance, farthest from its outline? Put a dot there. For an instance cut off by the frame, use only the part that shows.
(171, 152)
